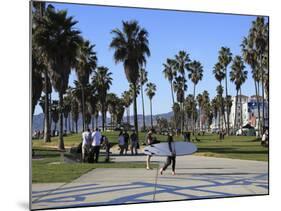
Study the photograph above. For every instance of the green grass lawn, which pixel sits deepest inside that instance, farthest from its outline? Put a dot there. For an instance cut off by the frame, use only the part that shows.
(237, 147)
(48, 168)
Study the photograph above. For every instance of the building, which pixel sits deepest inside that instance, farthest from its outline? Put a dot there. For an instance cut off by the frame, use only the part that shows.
(247, 113)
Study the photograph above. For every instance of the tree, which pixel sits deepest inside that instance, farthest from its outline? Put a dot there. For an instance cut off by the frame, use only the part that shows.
(220, 75)
(60, 43)
(127, 99)
(131, 48)
(102, 81)
(179, 87)
(55, 113)
(66, 109)
(238, 76)
(86, 63)
(220, 100)
(150, 92)
(195, 75)
(143, 80)
(190, 108)
(180, 64)
(169, 74)
(225, 57)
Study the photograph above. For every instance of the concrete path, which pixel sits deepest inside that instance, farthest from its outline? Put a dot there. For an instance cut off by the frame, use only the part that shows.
(197, 177)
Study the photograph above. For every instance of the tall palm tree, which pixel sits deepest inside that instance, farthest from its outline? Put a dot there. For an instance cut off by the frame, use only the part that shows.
(60, 43)
(220, 75)
(215, 109)
(86, 63)
(66, 109)
(190, 107)
(39, 63)
(225, 57)
(177, 115)
(180, 64)
(112, 101)
(150, 92)
(127, 99)
(143, 80)
(238, 76)
(169, 74)
(179, 87)
(102, 81)
(200, 101)
(131, 48)
(55, 113)
(205, 106)
(195, 75)
(220, 99)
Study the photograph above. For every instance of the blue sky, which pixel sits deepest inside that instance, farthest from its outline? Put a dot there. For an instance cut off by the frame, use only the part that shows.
(199, 34)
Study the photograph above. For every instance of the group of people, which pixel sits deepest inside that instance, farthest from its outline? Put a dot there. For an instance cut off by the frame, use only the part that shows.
(91, 144)
(125, 140)
(93, 140)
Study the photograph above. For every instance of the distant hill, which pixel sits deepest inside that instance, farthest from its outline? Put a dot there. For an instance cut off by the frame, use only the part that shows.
(38, 120)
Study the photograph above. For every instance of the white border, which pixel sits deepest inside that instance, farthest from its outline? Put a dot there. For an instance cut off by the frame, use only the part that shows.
(14, 117)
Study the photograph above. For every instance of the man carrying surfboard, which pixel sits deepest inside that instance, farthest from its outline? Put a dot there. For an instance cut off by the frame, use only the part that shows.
(171, 158)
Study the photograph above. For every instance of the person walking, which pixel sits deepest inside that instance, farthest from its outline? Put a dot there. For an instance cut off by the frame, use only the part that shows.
(121, 142)
(134, 143)
(126, 140)
(106, 144)
(171, 158)
(149, 141)
(96, 142)
(86, 143)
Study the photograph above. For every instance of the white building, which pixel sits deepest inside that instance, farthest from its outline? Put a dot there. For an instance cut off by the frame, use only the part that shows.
(242, 115)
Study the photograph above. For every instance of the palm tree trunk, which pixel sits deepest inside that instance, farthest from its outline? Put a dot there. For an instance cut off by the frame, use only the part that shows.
(93, 121)
(83, 107)
(219, 115)
(69, 123)
(241, 109)
(151, 121)
(103, 116)
(76, 126)
(65, 123)
(143, 114)
(226, 93)
(128, 115)
(135, 109)
(61, 143)
(258, 102)
(235, 114)
(193, 111)
(47, 137)
(171, 84)
(97, 120)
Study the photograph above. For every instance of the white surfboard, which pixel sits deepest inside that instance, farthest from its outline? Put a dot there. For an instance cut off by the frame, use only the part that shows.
(162, 149)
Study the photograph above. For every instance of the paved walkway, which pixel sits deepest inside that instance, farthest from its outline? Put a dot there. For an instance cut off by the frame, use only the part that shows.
(197, 177)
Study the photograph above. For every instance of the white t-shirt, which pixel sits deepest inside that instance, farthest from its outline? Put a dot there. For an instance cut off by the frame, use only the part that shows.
(121, 140)
(96, 137)
(86, 136)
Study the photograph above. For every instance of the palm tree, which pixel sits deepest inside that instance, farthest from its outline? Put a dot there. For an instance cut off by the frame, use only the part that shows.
(66, 109)
(180, 64)
(220, 75)
(75, 113)
(190, 107)
(225, 57)
(127, 99)
(39, 64)
(60, 43)
(85, 65)
(205, 107)
(237, 75)
(215, 105)
(220, 99)
(199, 99)
(150, 92)
(195, 75)
(131, 48)
(55, 113)
(102, 81)
(179, 87)
(177, 115)
(169, 74)
(143, 80)
(112, 101)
